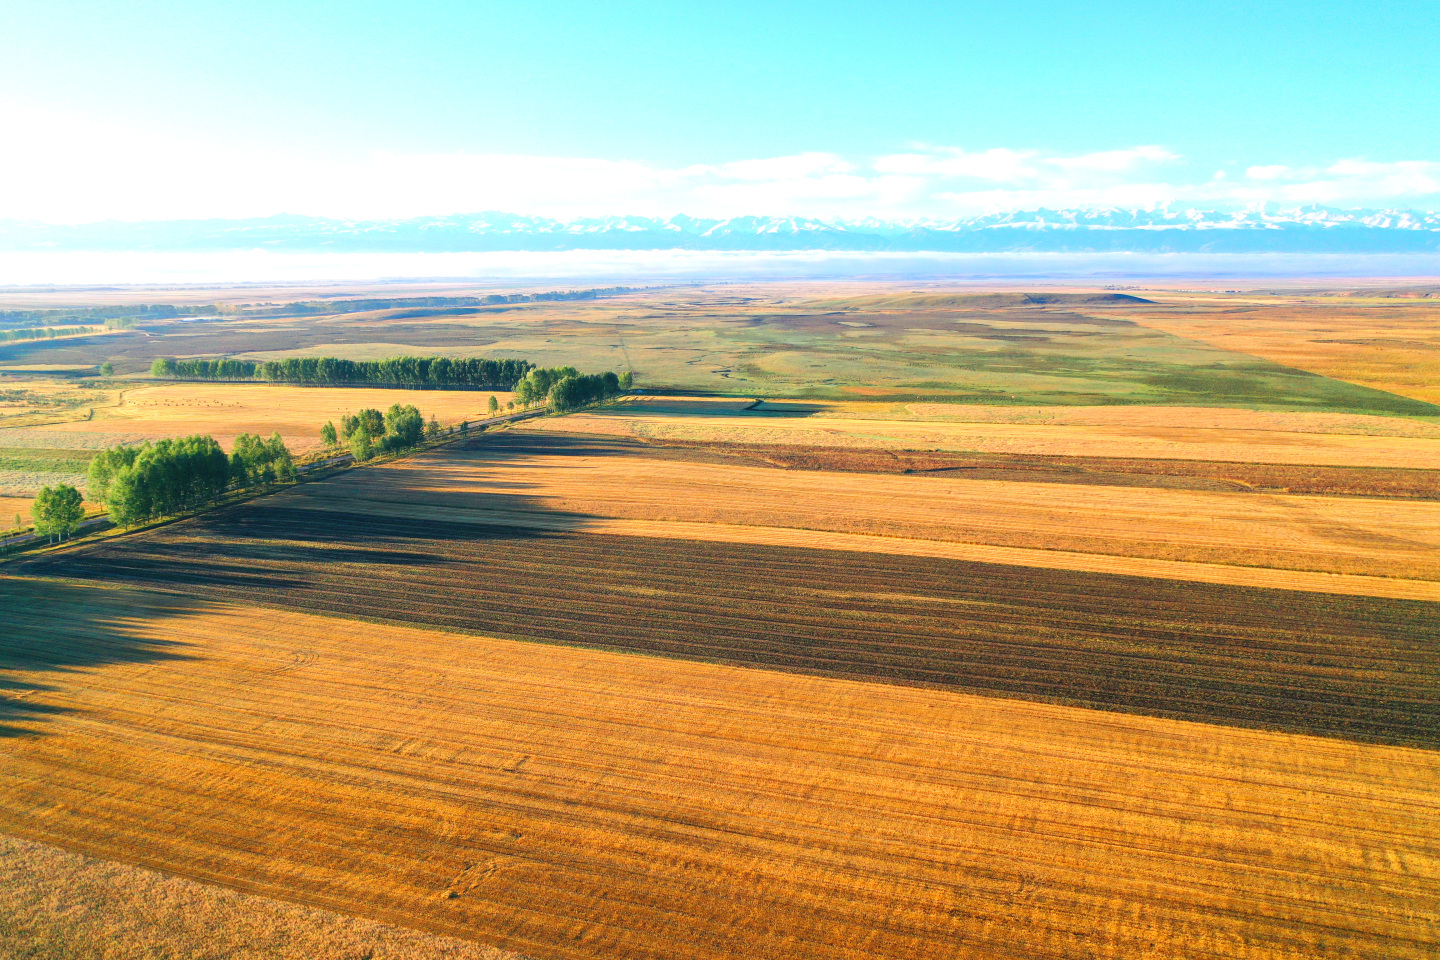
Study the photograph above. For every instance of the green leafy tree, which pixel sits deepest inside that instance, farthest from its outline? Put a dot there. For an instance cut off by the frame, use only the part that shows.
(371, 422)
(361, 447)
(163, 367)
(253, 460)
(57, 511)
(327, 434)
(404, 426)
(107, 369)
(105, 465)
(432, 429)
(494, 406)
(626, 380)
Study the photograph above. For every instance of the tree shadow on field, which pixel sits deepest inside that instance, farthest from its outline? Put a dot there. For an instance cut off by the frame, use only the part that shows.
(54, 632)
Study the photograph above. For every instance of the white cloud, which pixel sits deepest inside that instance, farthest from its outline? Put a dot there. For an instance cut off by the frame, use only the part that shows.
(1274, 171)
(1115, 161)
(76, 169)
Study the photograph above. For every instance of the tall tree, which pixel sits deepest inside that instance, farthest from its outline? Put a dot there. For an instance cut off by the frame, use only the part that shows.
(57, 511)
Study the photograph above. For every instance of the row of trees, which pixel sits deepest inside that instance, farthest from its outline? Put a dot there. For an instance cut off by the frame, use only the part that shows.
(425, 373)
(370, 432)
(138, 483)
(422, 373)
(45, 333)
(225, 369)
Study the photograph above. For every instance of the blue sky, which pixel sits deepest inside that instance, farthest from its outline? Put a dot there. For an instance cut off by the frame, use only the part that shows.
(162, 109)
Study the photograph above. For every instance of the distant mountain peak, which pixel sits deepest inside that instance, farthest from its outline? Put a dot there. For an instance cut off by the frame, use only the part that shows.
(1299, 229)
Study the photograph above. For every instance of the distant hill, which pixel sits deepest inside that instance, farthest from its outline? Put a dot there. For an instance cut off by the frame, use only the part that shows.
(1300, 230)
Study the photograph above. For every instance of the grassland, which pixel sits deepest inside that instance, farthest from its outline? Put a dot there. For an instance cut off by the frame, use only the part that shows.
(1385, 342)
(1006, 349)
(564, 802)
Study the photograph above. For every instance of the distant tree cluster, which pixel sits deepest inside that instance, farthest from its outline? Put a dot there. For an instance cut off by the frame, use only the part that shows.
(370, 432)
(573, 393)
(138, 483)
(147, 311)
(225, 369)
(565, 388)
(57, 511)
(45, 333)
(424, 373)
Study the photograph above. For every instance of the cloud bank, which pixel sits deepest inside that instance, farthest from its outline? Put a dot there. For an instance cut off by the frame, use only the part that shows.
(63, 169)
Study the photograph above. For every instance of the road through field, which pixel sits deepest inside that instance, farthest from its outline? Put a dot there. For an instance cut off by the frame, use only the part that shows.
(572, 803)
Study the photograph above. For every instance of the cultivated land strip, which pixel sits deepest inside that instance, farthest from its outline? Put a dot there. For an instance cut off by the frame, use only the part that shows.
(1339, 665)
(1366, 546)
(576, 803)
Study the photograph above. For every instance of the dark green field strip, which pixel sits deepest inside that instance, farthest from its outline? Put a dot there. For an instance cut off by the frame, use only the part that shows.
(1344, 666)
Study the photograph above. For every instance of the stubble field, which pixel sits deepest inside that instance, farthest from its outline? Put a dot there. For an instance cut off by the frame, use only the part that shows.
(563, 802)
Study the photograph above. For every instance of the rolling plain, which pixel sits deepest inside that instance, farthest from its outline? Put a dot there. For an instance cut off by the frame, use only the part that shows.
(879, 623)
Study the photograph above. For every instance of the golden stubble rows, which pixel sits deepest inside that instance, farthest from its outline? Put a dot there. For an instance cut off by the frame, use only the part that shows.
(1047, 523)
(571, 803)
(1182, 433)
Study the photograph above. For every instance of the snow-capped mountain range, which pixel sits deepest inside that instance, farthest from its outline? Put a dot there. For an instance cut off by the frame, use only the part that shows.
(1298, 230)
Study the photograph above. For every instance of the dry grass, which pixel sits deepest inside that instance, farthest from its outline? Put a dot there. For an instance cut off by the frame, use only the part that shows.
(555, 481)
(573, 803)
(10, 507)
(297, 413)
(1188, 433)
(58, 905)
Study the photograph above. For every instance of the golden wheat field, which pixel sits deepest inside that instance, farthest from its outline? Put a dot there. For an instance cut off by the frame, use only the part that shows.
(1186, 433)
(562, 802)
(296, 413)
(562, 482)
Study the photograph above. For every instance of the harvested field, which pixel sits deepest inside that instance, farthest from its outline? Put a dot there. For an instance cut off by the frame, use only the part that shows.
(506, 476)
(296, 413)
(1091, 471)
(58, 905)
(1169, 433)
(576, 803)
(11, 507)
(1338, 665)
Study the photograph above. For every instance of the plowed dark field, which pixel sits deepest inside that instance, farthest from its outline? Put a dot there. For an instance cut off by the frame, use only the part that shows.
(1341, 666)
